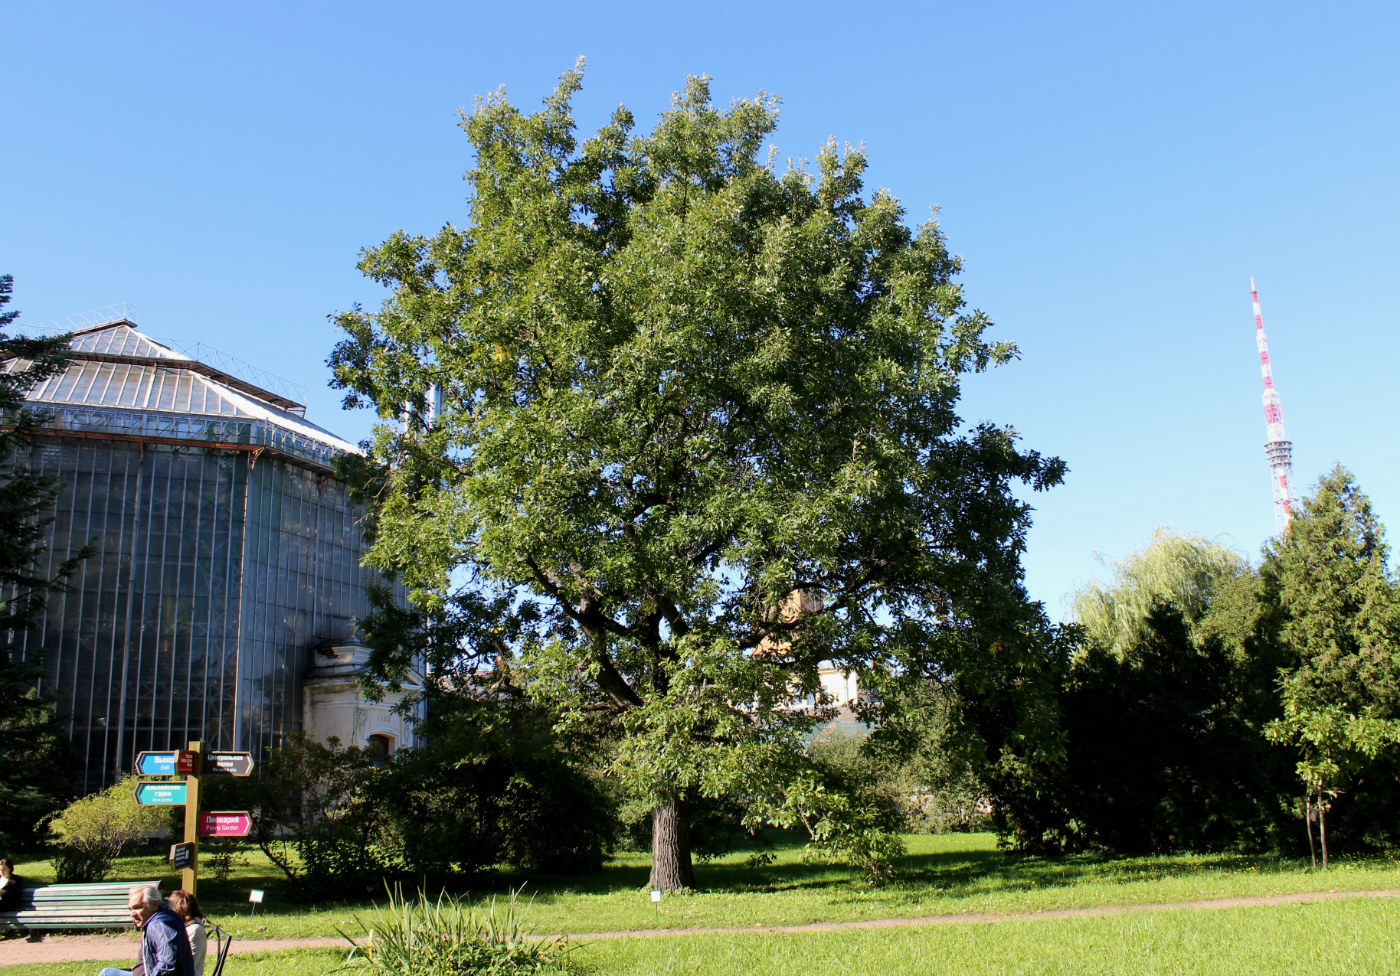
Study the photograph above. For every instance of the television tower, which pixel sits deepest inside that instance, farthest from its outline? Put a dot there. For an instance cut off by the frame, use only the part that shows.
(1278, 447)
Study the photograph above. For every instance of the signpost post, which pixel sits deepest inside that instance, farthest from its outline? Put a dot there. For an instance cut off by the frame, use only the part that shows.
(189, 876)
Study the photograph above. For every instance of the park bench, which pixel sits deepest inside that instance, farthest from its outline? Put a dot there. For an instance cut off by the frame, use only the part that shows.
(73, 906)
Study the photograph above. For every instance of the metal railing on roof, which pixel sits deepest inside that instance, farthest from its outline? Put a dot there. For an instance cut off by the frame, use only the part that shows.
(83, 320)
(206, 430)
(244, 371)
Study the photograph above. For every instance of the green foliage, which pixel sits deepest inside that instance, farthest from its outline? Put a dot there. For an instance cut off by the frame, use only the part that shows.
(493, 783)
(1162, 705)
(441, 937)
(92, 831)
(848, 810)
(35, 772)
(680, 389)
(498, 785)
(1341, 624)
(317, 816)
(1165, 753)
(927, 763)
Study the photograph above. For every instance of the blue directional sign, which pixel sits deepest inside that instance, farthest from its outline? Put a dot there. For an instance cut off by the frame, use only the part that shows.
(156, 763)
(161, 794)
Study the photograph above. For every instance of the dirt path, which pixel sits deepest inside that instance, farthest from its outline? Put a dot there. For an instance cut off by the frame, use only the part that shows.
(73, 948)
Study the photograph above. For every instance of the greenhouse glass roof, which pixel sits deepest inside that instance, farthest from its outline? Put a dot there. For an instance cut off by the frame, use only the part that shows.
(123, 383)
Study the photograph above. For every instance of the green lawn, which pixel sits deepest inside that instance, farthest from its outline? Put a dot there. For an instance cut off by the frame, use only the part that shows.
(948, 874)
(1353, 937)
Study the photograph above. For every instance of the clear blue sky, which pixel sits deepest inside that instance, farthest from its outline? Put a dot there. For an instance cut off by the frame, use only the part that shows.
(1113, 173)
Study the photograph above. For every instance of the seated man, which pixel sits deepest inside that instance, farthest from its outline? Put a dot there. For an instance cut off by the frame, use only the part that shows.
(165, 950)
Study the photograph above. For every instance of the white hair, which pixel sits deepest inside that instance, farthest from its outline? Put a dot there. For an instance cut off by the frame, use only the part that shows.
(150, 894)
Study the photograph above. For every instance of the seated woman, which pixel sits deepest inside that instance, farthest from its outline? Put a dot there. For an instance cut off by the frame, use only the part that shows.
(184, 904)
(10, 884)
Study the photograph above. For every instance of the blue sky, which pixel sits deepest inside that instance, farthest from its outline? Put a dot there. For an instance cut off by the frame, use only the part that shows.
(1112, 173)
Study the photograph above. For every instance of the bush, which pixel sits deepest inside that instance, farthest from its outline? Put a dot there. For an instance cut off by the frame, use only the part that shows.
(318, 816)
(442, 938)
(92, 831)
(498, 784)
(494, 784)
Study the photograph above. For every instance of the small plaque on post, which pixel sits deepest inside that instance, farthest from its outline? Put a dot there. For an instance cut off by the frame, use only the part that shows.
(182, 856)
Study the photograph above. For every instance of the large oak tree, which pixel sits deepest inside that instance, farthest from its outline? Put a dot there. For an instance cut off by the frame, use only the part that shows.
(690, 418)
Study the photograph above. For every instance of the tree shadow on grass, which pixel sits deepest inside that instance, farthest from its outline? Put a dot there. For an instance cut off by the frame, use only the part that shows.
(959, 867)
(961, 873)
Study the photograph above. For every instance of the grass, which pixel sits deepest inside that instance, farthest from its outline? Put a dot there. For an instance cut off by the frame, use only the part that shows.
(949, 874)
(1338, 938)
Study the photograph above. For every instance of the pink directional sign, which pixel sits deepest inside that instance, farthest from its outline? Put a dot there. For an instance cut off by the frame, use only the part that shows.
(225, 823)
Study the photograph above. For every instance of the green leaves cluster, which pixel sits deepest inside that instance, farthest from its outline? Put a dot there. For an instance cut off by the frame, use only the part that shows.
(442, 937)
(1184, 572)
(91, 832)
(1203, 691)
(494, 784)
(1340, 618)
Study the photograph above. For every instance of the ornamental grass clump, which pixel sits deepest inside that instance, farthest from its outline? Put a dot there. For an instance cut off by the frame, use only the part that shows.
(424, 937)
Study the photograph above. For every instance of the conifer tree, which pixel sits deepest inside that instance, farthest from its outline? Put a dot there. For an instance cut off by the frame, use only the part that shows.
(1341, 625)
(34, 768)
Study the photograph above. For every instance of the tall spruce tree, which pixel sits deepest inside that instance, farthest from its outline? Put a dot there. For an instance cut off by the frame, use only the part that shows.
(34, 767)
(1340, 622)
(693, 416)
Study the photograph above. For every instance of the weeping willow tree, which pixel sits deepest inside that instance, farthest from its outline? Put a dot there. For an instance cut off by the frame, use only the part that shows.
(1179, 571)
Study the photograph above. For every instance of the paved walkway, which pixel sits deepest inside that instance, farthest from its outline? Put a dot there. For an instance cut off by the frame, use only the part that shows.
(74, 948)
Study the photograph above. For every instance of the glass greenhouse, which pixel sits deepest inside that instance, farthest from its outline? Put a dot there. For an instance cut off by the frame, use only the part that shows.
(225, 551)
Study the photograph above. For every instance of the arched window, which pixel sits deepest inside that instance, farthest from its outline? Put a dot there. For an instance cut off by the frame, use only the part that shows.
(380, 747)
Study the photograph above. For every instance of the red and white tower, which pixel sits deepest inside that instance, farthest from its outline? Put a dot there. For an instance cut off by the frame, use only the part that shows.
(1278, 447)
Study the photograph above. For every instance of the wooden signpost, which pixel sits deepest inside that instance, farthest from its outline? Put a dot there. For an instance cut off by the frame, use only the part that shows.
(192, 765)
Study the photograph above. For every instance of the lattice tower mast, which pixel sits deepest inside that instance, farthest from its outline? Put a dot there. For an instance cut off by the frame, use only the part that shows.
(1278, 447)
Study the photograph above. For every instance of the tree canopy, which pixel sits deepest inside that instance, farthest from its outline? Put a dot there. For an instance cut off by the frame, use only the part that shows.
(685, 423)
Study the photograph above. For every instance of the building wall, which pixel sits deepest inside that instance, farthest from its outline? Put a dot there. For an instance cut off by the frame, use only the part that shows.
(336, 705)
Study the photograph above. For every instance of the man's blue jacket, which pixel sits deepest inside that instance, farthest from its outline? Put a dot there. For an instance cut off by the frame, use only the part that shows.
(165, 950)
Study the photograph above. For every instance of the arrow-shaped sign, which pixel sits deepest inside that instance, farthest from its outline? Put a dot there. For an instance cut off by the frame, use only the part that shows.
(226, 823)
(228, 764)
(156, 763)
(161, 794)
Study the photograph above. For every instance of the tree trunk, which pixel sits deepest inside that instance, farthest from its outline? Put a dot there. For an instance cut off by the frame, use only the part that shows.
(1307, 821)
(671, 868)
(1322, 824)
